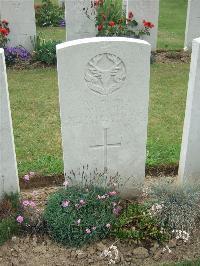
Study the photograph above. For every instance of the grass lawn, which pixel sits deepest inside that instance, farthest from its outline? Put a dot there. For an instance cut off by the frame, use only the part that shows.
(35, 111)
(171, 26)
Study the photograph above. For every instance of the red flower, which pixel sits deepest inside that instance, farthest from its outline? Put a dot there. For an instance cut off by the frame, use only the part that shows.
(148, 24)
(100, 27)
(111, 23)
(130, 14)
(5, 21)
(4, 31)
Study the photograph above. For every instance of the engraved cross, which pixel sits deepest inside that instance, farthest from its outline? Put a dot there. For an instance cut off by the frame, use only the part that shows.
(105, 147)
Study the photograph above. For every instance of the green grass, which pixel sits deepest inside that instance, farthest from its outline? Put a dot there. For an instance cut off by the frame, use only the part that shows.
(172, 21)
(35, 111)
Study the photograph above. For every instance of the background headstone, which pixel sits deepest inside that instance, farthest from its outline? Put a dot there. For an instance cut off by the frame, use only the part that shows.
(192, 29)
(80, 19)
(104, 105)
(148, 10)
(21, 17)
(8, 167)
(189, 166)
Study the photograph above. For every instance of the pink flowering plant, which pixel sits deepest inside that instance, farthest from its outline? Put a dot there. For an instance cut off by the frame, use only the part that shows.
(77, 215)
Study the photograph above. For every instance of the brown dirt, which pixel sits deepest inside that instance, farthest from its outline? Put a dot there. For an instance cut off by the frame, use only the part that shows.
(179, 56)
(39, 181)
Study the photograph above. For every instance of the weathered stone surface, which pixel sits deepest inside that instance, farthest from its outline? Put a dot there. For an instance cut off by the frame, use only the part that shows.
(148, 10)
(21, 17)
(192, 29)
(80, 19)
(104, 93)
(8, 167)
(140, 253)
(189, 165)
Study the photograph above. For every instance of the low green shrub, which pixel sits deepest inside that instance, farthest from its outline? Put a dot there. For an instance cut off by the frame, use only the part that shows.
(45, 51)
(48, 14)
(79, 215)
(136, 223)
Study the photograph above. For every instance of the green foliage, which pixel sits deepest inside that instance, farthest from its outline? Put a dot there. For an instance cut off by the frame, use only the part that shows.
(180, 205)
(94, 214)
(136, 223)
(45, 51)
(48, 14)
(8, 227)
(9, 207)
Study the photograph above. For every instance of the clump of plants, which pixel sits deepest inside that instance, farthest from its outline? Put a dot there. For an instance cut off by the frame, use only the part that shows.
(111, 20)
(16, 54)
(45, 51)
(176, 207)
(4, 32)
(78, 215)
(47, 14)
(137, 223)
(9, 207)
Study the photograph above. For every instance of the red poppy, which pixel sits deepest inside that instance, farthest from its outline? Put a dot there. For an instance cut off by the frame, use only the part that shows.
(130, 15)
(148, 24)
(100, 27)
(111, 23)
(4, 31)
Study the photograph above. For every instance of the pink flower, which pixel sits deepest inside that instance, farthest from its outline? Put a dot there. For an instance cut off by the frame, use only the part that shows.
(108, 225)
(112, 193)
(94, 228)
(31, 174)
(66, 183)
(25, 203)
(65, 203)
(117, 211)
(88, 231)
(82, 202)
(26, 178)
(32, 204)
(78, 221)
(20, 219)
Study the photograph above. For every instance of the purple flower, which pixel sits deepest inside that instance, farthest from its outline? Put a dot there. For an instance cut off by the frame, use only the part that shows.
(82, 202)
(117, 211)
(62, 23)
(25, 203)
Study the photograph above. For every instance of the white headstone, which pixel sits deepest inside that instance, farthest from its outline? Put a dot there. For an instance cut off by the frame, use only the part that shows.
(21, 17)
(8, 167)
(192, 29)
(104, 93)
(189, 166)
(148, 10)
(80, 19)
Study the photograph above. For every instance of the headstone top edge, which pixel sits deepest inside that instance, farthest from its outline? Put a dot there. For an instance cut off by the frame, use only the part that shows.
(100, 39)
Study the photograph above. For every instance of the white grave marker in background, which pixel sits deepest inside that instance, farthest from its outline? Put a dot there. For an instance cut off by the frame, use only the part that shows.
(21, 17)
(80, 19)
(189, 166)
(8, 167)
(104, 93)
(148, 10)
(192, 29)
